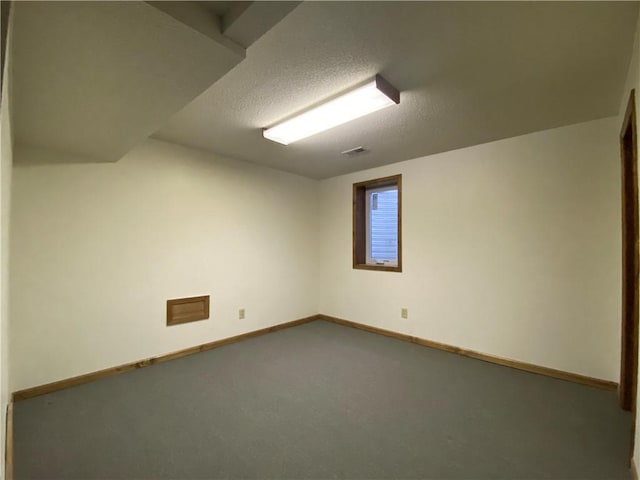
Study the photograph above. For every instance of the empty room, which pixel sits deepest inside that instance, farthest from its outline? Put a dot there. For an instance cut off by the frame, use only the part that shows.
(313, 240)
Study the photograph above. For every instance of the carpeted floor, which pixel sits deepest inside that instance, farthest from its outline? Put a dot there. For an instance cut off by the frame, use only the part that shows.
(323, 401)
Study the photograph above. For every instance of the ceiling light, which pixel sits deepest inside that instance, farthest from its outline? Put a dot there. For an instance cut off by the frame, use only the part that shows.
(356, 103)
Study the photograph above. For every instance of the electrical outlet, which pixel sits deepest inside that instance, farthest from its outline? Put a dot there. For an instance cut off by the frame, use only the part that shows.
(241, 314)
(404, 312)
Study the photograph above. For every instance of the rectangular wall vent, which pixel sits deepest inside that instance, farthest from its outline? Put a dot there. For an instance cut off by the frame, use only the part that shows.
(355, 151)
(184, 310)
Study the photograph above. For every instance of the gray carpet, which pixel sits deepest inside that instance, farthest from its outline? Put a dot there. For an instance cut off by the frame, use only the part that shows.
(323, 401)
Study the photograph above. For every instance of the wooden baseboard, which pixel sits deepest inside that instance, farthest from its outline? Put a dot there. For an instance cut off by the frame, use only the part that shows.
(8, 446)
(527, 367)
(90, 377)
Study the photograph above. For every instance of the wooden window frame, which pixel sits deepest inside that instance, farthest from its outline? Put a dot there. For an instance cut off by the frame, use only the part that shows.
(360, 219)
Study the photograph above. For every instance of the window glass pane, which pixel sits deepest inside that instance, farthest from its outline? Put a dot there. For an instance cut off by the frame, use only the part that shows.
(383, 224)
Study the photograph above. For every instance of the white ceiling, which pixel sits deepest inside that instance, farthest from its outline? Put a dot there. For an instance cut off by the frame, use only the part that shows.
(93, 79)
(468, 72)
(90, 81)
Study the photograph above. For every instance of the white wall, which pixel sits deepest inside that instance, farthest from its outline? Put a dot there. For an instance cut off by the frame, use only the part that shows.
(511, 248)
(98, 249)
(6, 162)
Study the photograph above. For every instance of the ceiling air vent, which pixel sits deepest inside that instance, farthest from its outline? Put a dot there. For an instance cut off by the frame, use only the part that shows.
(352, 152)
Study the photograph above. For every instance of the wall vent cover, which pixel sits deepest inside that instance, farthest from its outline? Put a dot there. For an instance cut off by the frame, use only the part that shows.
(184, 310)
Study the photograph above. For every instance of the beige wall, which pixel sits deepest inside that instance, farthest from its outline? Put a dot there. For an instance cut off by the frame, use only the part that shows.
(98, 249)
(6, 162)
(511, 248)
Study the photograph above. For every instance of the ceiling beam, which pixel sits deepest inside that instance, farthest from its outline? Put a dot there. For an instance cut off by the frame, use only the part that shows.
(247, 23)
(196, 16)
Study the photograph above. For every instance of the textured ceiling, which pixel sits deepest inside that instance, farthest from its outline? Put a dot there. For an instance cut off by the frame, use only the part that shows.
(222, 8)
(93, 79)
(469, 73)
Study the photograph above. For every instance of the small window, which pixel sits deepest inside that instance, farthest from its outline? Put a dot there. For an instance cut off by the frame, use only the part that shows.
(377, 239)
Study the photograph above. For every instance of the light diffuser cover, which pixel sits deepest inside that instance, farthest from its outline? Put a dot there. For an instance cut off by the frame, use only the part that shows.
(371, 97)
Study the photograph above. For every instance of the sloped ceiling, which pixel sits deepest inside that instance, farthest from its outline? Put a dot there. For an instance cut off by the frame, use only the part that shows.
(92, 79)
(468, 72)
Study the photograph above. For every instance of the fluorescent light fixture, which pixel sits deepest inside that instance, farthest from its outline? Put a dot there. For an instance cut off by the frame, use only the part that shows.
(371, 97)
